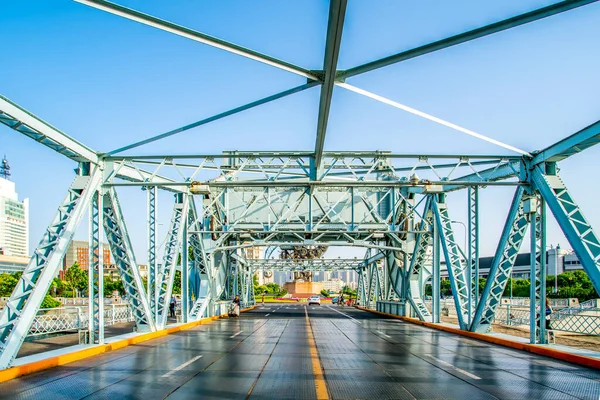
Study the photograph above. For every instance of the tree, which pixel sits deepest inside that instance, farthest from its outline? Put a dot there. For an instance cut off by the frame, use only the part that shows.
(76, 278)
(7, 284)
(324, 293)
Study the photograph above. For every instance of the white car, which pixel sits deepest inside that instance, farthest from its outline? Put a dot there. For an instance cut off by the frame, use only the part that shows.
(314, 300)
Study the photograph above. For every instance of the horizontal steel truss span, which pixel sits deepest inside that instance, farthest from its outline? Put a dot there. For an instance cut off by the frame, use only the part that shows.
(391, 204)
(306, 265)
(287, 169)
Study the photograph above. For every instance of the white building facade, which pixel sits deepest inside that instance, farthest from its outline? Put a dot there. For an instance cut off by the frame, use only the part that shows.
(14, 221)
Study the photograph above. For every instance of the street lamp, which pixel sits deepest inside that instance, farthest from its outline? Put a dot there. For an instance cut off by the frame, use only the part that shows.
(465, 241)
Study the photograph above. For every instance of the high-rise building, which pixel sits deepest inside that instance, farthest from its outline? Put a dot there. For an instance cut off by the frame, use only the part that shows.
(14, 221)
(79, 252)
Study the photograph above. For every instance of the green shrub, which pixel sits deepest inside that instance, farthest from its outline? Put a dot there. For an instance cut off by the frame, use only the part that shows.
(50, 302)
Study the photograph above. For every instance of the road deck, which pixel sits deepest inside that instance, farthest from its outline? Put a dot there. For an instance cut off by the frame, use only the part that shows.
(266, 354)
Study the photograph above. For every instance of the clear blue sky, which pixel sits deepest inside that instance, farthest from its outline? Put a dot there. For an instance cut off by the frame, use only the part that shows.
(108, 82)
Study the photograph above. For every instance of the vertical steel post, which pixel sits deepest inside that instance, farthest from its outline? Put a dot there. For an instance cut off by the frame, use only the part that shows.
(185, 285)
(95, 272)
(537, 289)
(435, 274)
(473, 250)
(152, 248)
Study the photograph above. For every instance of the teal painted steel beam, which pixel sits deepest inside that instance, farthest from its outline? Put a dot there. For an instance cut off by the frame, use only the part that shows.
(455, 267)
(335, 25)
(26, 123)
(191, 34)
(578, 231)
(584, 139)
(506, 170)
(502, 264)
(477, 33)
(216, 117)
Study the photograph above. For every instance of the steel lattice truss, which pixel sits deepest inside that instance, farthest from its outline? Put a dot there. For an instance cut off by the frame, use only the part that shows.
(391, 204)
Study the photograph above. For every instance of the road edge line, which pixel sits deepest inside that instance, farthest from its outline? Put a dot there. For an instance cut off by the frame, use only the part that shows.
(531, 348)
(37, 366)
(320, 384)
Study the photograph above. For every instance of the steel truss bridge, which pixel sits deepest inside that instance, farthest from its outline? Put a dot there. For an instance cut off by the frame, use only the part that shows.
(391, 204)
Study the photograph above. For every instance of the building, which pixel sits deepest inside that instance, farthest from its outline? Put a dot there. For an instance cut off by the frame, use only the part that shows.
(12, 264)
(334, 285)
(557, 260)
(79, 252)
(14, 221)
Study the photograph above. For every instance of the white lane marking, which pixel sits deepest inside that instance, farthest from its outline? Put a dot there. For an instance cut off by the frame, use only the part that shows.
(381, 333)
(345, 315)
(235, 334)
(266, 315)
(182, 366)
(462, 371)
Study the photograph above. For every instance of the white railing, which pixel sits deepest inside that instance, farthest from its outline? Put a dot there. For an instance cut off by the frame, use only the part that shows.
(65, 319)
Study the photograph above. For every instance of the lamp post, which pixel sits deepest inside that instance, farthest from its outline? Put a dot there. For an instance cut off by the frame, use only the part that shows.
(465, 237)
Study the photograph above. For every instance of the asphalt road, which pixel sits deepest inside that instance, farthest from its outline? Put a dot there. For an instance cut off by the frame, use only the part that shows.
(291, 351)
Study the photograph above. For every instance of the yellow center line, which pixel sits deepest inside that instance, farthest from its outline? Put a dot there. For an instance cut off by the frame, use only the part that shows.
(320, 386)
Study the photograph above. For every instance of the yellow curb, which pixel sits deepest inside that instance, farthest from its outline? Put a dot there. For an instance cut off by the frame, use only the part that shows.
(320, 385)
(531, 348)
(36, 366)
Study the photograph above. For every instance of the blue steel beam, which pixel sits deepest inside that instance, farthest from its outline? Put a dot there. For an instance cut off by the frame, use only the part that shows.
(502, 171)
(502, 264)
(571, 220)
(335, 25)
(24, 122)
(191, 34)
(455, 267)
(216, 117)
(417, 262)
(585, 138)
(496, 27)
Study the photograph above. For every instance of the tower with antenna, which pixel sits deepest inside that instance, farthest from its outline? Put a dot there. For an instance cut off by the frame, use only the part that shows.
(4, 168)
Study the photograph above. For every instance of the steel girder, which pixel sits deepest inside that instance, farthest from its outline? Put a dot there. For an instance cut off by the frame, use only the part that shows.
(166, 273)
(584, 139)
(317, 264)
(502, 264)
(335, 25)
(96, 271)
(201, 263)
(454, 264)
(419, 258)
(152, 272)
(537, 287)
(122, 251)
(571, 220)
(23, 304)
(473, 249)
(483, 31)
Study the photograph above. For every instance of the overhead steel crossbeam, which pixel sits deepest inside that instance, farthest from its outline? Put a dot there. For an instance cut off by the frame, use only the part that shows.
(28, 124)
(335, 25)
(483, 31)
(584, 139)
(341, 168)
(330, 75)
(317, 264)
(196, 36)
(216, 117)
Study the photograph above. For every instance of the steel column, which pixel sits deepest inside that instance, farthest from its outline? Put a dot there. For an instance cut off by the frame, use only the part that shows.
(151, 197)
(96, 272)
(24, 302)
(537, 288)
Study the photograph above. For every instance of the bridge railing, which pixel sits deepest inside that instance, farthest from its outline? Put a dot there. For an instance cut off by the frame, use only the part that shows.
(67, 319)
(582, 319)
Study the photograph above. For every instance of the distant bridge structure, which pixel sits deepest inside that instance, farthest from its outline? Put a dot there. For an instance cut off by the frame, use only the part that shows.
(391, 204)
